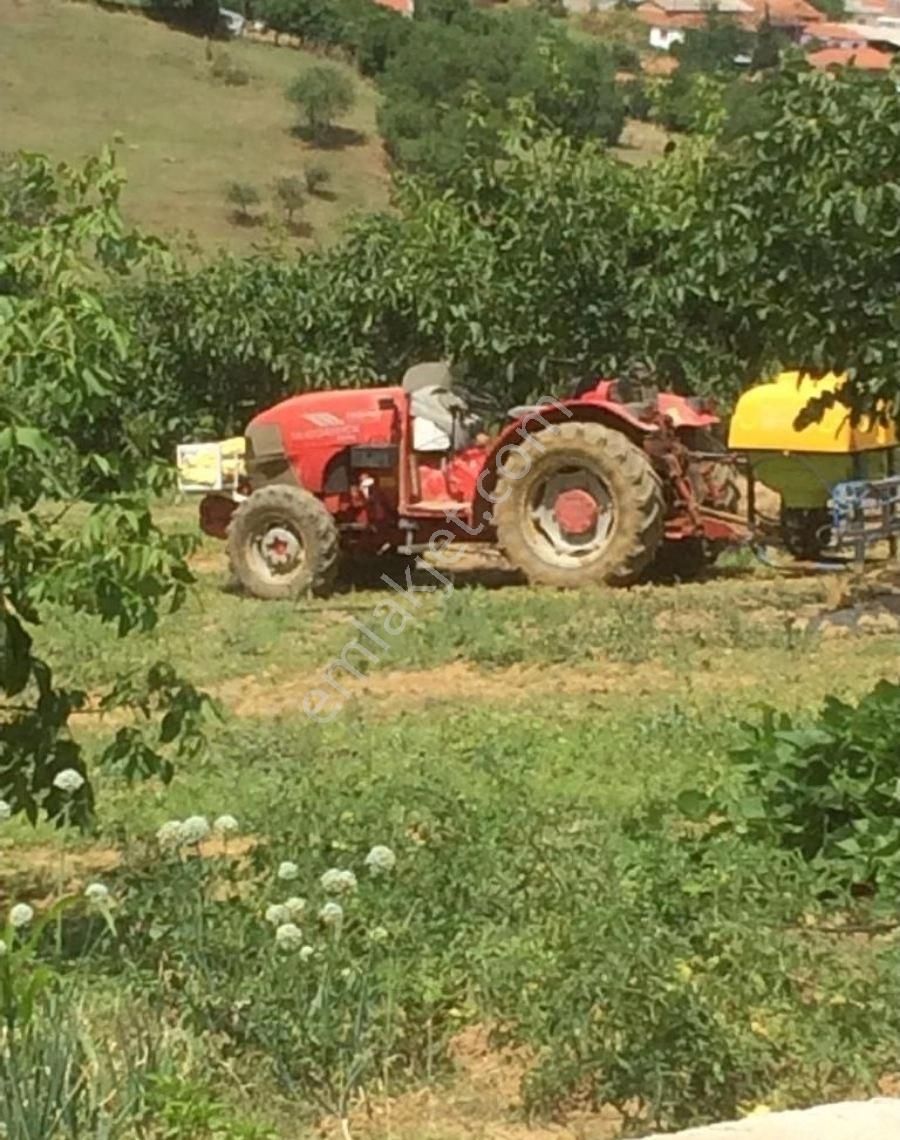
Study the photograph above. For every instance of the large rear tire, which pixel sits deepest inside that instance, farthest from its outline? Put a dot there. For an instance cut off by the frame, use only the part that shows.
(283, 543)
(581, 504)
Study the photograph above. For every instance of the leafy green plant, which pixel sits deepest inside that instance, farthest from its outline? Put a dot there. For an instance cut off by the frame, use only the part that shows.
(78, 464)
(828, 790)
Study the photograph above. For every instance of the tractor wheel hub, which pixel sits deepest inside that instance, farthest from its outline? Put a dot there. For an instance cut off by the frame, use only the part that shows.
(280, 548)
(576, 511)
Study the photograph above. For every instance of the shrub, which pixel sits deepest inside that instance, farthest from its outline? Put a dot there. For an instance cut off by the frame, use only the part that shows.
(243, 196)
(828, 790)
(317, 178)
(322, 94)
(223, 69)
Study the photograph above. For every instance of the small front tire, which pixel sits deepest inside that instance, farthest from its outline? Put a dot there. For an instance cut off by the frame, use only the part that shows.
(283, 543)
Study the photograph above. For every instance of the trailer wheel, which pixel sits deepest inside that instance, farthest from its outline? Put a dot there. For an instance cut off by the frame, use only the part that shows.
(579, 504)
(283, 543)
(805, 532)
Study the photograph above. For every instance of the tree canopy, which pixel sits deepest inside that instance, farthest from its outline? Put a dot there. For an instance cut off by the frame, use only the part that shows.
(79, 462)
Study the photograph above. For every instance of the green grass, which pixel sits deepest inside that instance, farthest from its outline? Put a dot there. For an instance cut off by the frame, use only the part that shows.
(74, 77)
(523, 751)
(612, 694)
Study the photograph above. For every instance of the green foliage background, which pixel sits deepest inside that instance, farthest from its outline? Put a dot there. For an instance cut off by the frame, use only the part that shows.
(725, 260)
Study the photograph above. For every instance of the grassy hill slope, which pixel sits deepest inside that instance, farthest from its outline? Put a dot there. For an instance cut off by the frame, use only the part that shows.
(72, 77)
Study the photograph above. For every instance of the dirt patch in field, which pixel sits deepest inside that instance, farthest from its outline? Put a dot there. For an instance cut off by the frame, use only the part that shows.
(482, 1103)
(457, 683)
(44, 872)
(463, 683)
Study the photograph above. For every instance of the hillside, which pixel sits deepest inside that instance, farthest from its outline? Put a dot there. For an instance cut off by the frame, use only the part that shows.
(73, 77)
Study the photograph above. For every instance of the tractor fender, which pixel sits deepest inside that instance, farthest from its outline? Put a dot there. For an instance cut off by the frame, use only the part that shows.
(542, 417)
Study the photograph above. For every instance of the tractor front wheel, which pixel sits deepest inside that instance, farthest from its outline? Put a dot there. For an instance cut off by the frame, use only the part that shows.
(283, 543)
(579, 504)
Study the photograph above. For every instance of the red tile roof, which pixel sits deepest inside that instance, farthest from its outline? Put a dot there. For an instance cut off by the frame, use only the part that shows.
(404, 7)
(790, 12)
(867, 58)
(843, 33)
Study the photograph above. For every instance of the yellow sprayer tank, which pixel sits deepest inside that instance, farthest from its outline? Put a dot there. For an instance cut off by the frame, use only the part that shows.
(803, 464)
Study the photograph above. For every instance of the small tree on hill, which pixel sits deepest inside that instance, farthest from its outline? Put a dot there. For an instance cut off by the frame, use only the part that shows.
(243, 196)
(317, 178)
(322, 94)
(291, 196)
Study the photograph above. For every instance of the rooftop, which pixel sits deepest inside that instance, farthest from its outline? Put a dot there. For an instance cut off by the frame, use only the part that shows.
(865, 58)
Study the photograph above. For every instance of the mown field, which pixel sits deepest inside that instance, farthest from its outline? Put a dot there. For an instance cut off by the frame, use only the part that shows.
(75, 78)
(521, 752)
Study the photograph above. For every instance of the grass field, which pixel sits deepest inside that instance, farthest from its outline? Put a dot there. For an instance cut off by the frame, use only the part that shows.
(74, 77)
(508, 731)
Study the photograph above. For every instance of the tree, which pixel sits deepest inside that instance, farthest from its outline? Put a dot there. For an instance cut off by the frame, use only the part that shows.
(314, 21)
(714, 48)
(768, 45)
(198, 15)
(291, 195)
(485, 63)
(243, 196)
(77, 470)
(323, 94)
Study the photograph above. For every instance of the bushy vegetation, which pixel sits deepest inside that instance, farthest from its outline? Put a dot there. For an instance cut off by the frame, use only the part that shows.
(337, 952)
(76, 439)
(555, 260)
(827, 790)
(429, 123)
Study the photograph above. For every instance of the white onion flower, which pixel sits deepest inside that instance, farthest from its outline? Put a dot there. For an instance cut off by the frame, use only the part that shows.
(381, 859)
(287, 871)
(194, 829)
(225, 825)
(169, 835)
(379, 934)
(97, 894)
(332, 914)
(288, 936)
(278, 914)
(337, 882)
(68, 780)
(5, 811)
(306, 952)
(295, 906)
(20, 915)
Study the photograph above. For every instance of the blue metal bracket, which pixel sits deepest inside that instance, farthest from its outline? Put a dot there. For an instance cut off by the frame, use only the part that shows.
(863, 512)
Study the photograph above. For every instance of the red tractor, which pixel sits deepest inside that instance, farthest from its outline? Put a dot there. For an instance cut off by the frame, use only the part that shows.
(593, 489)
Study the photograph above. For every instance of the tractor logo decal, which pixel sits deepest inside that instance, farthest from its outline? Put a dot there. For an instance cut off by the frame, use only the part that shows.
(322, 419)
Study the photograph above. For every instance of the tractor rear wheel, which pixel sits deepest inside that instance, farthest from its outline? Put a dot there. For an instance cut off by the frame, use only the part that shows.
(580, 504)
(282, 543)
